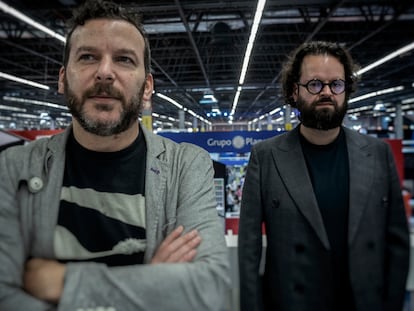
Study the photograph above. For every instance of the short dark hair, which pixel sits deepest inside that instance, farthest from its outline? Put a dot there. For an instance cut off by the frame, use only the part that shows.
(291, 70)
(94, 9)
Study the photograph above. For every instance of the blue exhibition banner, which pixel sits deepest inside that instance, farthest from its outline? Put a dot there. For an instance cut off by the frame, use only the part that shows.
(219, 142)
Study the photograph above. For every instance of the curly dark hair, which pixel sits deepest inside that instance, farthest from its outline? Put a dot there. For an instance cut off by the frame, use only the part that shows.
(291, 70)
(93, 9)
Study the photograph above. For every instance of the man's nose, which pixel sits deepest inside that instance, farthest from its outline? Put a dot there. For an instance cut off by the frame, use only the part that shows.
(105, 70)
(326, 89)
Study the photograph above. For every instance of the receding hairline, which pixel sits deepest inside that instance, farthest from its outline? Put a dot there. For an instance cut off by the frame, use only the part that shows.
(76, 31)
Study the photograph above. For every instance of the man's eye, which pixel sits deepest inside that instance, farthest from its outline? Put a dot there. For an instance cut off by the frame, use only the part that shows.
(125, 59)
(86, 57)
(314, 84)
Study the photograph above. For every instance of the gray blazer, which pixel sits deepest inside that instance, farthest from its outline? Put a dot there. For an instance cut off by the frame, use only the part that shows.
(179, 191)
(278, 191)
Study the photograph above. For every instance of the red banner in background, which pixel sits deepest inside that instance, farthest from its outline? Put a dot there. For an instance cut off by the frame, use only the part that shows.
(396, 147)
(35, 134)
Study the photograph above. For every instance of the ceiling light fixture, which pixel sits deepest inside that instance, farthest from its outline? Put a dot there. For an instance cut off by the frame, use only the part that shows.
(34, 102)
(10, 108)
(179, 106)
(386, 58)
(250, 44)
(170, 100)
(23, 81)
(377, 93)
(10, 10)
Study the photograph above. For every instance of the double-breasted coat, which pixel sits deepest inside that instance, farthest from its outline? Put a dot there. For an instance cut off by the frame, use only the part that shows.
(278, 191)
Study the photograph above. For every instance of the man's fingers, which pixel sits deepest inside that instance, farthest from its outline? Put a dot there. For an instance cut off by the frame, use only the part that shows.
(177, 247)
(163, 250)
(176, 233)
(191, 243)
(188, 256)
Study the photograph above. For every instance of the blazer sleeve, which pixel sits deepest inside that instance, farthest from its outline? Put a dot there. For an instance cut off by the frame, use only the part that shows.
(250, 235)
(397, 243)
(199, 285)
(13, 251)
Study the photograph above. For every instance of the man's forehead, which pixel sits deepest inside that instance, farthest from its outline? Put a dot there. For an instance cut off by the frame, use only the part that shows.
(113, 31)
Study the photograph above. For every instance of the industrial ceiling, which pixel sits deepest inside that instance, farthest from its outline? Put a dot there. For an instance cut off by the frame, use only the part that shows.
(198, 49)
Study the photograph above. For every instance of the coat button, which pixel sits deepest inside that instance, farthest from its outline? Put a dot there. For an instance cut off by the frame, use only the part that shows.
(35, 184)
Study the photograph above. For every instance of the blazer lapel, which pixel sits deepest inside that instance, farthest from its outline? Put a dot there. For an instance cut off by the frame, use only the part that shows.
(361, 174)
(289, 160)
(155, 187)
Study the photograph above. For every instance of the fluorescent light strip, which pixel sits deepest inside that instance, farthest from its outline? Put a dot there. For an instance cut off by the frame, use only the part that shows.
(275, 111)
(377, 93)
(387, 58)
(250, 44)
(23, 81)
(9, 10)
(34, 102)
(408, 101)
(170, 100)
(10, 108)
(179, 106)
(25, 115)
(252, 38)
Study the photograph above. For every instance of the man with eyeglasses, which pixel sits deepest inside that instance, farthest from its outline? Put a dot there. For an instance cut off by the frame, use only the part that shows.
(330, 199)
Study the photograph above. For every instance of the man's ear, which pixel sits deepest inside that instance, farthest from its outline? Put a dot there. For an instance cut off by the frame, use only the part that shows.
(61, 82)
(295, 93)
(149, 87)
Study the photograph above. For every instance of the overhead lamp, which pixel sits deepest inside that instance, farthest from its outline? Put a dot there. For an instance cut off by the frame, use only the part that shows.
(34, 102)
(23, 81)
(208, 99)
(25, 115)
(387, 58)
(379, 106)
(275, 111)
(170, 100)
(10, 108)
(10, 10)
(408, 100)
(377, 93)
(250, 44)
(179, 106)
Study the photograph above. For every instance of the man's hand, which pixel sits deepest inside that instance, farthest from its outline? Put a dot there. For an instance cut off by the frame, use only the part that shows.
(177, 247)
(43, 279)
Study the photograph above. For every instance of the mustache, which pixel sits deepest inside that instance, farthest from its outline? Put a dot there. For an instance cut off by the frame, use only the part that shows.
(103, 89)
(325, 100)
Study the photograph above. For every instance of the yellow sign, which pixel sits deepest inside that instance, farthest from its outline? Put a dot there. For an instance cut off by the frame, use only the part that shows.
(147, 122)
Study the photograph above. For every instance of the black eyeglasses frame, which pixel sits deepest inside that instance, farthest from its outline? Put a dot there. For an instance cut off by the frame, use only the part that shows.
(330, 84)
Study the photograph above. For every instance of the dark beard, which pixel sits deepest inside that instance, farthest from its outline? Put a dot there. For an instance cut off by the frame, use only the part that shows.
(129, 114)
(321, 118)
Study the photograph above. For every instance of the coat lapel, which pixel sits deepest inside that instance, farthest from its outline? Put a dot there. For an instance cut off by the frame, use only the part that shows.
(289, 160)
(361, 174)
(155, 187)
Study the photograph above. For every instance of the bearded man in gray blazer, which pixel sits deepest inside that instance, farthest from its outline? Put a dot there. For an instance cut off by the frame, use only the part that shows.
(108, 215)
(330, 198)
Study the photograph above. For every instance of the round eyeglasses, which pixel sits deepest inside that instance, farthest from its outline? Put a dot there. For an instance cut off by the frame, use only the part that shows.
(316, 86)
